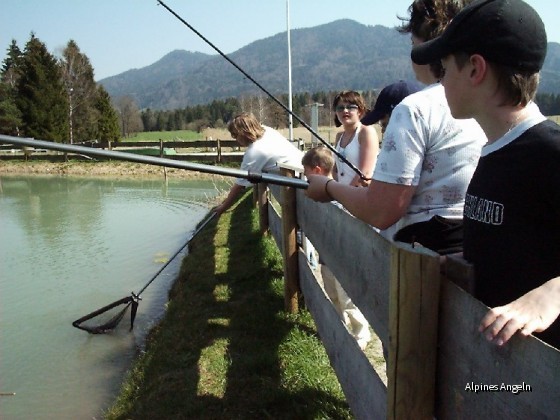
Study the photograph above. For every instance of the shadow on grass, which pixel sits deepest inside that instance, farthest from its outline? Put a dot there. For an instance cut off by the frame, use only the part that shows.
(226, 349)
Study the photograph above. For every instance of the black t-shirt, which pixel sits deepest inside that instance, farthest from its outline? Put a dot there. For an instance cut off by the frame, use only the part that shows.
(512, 219)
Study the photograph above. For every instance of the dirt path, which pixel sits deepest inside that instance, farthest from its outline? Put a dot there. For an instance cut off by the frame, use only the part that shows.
(114, 168)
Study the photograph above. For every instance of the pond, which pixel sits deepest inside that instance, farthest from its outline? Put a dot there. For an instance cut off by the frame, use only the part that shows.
(69, 246)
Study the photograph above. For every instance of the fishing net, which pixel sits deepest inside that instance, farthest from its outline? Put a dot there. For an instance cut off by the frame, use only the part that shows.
(106, 319)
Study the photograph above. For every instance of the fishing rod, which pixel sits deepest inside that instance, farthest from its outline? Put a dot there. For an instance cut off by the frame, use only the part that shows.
(254, 177)
(284, 107)
(132, 300)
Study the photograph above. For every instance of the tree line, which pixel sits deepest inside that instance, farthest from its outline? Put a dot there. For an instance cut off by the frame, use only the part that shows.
(57, 99)
(54, 99)
(217, 113)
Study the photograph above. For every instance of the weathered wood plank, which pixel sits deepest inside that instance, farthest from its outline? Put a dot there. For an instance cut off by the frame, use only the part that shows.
(364, 390)
(466, 359)
(275, 225)
(276, 191)
(289, 244)
(413, 317)
(261, 192)
(356, 254)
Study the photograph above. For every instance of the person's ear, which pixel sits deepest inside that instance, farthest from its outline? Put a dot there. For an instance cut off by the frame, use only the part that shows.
(317, 170)
(479, 69)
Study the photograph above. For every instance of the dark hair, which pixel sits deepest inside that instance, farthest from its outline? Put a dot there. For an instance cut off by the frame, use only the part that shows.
(518, 88)
(427, 20)
(351, 97)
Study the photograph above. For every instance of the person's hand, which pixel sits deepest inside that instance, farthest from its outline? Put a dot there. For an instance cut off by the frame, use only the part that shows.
(535, 311)
(316, 190)
(218, 210)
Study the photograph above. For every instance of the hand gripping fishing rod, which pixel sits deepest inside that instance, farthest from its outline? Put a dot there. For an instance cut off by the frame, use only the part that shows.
(254, 177)
(284, 107)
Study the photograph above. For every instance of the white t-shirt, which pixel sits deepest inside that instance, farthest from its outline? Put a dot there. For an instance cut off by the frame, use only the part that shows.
(426, 147)
(264, 154)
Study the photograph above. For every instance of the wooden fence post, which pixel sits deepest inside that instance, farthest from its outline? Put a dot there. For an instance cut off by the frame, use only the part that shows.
(289, 244)
(413, 322)
(262, 205)
(219, 151)
(161, 153)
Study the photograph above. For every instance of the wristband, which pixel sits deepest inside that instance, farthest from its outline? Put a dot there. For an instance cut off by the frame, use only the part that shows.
(327, 191)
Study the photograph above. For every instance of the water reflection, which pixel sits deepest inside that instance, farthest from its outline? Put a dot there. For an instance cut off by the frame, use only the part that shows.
(69, 246)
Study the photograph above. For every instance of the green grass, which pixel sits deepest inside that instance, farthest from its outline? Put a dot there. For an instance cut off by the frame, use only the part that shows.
(180, 135)
(226, 348)
(555, 118)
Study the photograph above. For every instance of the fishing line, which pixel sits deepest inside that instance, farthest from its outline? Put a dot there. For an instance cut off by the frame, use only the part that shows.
(131, 301)
(284, 107)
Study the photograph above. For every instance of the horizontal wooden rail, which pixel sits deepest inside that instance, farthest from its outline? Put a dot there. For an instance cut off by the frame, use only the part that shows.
(439, 364)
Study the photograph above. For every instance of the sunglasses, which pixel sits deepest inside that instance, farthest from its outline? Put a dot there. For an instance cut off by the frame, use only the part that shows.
(341, 108)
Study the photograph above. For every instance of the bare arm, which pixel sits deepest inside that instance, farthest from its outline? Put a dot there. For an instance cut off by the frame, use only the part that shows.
(535, 311)
(369, 148)
(234, 192)
(380, 205)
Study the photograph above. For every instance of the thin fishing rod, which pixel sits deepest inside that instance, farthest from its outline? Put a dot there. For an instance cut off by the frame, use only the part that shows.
(284, 107)
(132, 300)
(254, 177)
(198, 229)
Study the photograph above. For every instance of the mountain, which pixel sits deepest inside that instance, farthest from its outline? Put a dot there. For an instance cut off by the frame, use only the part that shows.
(340, 55)
(550, 74)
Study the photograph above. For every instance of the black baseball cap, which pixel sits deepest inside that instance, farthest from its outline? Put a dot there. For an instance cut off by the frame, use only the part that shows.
(507, 32)
(389, 98)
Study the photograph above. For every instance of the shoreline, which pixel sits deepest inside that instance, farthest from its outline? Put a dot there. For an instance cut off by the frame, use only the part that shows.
(107, 168)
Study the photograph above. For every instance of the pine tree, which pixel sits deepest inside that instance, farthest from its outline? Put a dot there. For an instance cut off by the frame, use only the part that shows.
(10, 116)
(107, 118)
(42, 99)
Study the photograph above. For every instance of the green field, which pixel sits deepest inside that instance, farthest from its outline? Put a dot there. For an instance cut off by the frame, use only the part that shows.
(165, 136)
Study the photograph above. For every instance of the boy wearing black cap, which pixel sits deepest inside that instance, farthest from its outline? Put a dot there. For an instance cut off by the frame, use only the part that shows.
(389, 97)
(492, 53)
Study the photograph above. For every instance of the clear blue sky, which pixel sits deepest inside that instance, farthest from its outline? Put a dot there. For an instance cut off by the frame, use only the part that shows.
(118, 35)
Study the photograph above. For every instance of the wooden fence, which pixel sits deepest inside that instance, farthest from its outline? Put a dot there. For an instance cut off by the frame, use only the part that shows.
(217, 151)
(438, 365)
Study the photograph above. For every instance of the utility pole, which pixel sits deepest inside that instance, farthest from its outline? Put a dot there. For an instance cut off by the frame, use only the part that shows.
(314, 121)
(290, 120)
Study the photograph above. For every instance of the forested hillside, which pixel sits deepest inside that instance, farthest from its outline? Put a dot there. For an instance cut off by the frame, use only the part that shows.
(340, 55)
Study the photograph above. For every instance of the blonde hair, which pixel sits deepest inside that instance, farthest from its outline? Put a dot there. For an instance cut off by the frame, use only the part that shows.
(246, 127)
(319, 156)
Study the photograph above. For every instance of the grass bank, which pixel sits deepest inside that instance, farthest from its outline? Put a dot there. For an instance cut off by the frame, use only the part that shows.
(226, 348)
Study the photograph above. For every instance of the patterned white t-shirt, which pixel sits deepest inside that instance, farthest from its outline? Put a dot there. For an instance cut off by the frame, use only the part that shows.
(426, 147)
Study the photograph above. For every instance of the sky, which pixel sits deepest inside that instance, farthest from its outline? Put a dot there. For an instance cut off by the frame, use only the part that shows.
(119, 35)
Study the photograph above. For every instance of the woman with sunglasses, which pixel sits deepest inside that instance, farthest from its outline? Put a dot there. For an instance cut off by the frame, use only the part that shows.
(357, 143)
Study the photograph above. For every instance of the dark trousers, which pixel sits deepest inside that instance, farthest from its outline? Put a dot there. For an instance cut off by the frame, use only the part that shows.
(441, 235)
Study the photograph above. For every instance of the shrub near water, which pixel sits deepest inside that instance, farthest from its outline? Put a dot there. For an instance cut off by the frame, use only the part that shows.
(226, 348)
